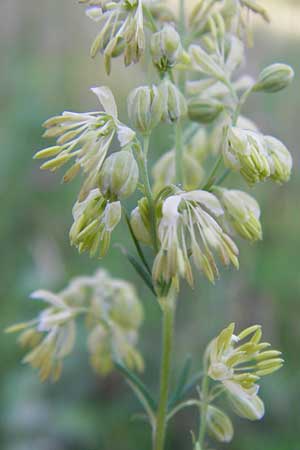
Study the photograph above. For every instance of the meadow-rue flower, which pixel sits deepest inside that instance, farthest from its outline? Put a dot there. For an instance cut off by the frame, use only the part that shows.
(188, 228)
(174, 103)
(242, 212)
(218, 424)
(281, 159)
(119, 175)
(274, 78)
(95, 218)
(145, 108)
(245, 401)
(113, 315)
(122, 29)
(84, 138)
(245, 151)
(165, 48)
(140, 226)
(239, 365)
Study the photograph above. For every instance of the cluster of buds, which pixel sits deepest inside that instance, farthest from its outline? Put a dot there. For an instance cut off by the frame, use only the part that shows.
(239, 364)
(84, 138)
(242, 213)
(122, 29)
(165, 48)
(189, 228)
(95, 218)
(109, 305)
(257, 157)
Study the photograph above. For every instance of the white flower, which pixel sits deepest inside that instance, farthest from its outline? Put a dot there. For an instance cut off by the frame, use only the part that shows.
(188, 227)
(85, 138)
(122, 29)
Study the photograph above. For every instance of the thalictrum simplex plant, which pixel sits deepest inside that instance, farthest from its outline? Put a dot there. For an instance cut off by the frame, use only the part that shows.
(186, 216)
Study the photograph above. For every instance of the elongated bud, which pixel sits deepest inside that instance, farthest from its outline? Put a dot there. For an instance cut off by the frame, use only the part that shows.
(274, 78)
(139, 228)
(174, 103)
(126, 308)
(245, 402)
(119, 175)
(145, 108)
(165, 48)
(219, 425)
(204, 110)
(281, 158)
(203, 62)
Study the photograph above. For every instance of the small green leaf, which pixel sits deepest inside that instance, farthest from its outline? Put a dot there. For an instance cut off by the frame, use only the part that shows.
(138, 268)
(135, 381)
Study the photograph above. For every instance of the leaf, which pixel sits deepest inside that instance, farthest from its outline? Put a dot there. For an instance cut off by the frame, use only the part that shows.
(137, 244)
(139, 269)
(140, 390)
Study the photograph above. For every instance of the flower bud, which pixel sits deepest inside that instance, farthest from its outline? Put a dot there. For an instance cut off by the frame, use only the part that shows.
(94, 221)
(204, 110)
(274, 78)
(119, 175)
(219, 425)
(245, 151)
(281, 160)
(174, 103)
(203, 62)
(165, 48)
(139, 228)
(245, 402)
(145, 108)
(242, 212)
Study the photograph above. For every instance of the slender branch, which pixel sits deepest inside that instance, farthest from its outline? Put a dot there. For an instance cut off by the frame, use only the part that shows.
(143, 164)
(212, 176)
(203, 409)
(179, 152)
(168, 307)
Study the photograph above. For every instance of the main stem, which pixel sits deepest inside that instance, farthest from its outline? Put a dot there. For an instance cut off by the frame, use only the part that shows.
(203, 414)
(168, 308)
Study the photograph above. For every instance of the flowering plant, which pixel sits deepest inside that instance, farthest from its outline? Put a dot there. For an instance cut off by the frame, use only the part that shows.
(186, 216)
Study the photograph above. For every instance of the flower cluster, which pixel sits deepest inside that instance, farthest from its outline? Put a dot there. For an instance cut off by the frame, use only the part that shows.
(189, 228)
(257, 157)
(238, 362)
(85, 139)
(122, 29)
(113, 315)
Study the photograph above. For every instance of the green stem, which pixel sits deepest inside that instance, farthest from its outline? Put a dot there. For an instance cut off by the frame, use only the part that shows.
(179, 153)
(211, 178)
(143, 164)
(203, 409)
(168, 308)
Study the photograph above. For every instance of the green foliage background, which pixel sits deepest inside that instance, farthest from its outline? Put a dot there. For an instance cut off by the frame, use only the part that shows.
(44, 70)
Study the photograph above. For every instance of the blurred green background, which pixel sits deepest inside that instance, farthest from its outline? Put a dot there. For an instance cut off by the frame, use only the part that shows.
(45, 69)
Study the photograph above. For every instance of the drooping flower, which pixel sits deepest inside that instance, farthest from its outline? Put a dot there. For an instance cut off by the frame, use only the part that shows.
(239, 365)
(188, 228)
(113, 315)
(95, 218)
(256, 157)
(242, 212)
(122, 29)
(85, 139)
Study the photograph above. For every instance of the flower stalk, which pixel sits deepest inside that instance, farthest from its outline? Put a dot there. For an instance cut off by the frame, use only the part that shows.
(168, 315)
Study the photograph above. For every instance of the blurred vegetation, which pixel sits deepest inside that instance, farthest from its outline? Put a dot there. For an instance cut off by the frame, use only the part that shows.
(45, 69)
